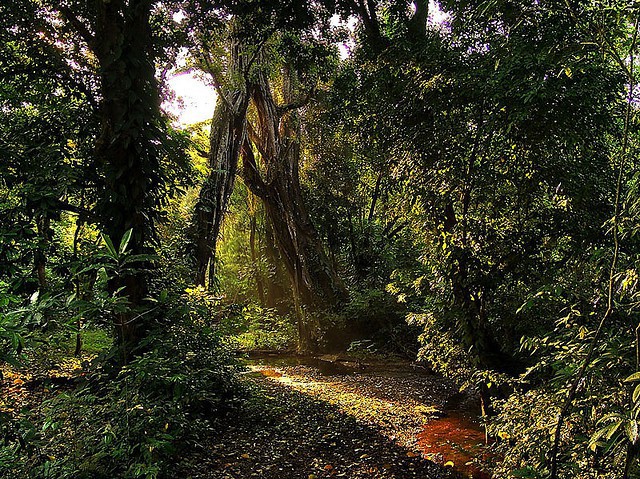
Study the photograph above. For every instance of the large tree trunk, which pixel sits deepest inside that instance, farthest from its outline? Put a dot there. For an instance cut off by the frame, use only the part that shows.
(418, 23)
(127, 151)
(228, 132)
(315, 282)
(277, 295)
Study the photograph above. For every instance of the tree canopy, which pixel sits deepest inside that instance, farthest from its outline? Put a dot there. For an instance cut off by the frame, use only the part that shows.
(451, 183)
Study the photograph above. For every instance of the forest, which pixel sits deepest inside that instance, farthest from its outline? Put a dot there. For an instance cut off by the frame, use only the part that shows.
(404, 244)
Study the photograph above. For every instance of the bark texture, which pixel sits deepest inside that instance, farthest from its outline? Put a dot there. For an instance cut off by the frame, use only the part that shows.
(316, 284)
(228, 132)
(126, 151)
(277, 294)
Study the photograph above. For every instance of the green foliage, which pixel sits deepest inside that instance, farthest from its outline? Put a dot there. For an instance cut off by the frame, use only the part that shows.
(17, 442)
(258, 328)
(12, 330)
(466, 170)
(492, 147)
(165, 401)
(496, 137)
(375, 316)
(237, 271)
(22, 325)
(45, 141)
(526, 420)
(175, 262)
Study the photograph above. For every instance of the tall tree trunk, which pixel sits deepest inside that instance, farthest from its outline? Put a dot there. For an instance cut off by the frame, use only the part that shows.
(276, 294)
(418, 23)
(228, 132)
(315, 282)
(127, 151)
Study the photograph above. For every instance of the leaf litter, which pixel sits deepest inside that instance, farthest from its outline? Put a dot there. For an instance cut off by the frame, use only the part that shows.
(301, 423)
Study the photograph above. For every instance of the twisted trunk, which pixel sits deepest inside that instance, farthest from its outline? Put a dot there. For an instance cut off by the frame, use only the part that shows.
(314, 280)
(228, 132)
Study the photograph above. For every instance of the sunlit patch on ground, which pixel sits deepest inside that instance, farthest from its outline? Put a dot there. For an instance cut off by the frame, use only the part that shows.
(391, 404)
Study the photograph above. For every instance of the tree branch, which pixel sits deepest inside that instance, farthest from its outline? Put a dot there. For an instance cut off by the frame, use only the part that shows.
(284, 109)
(255, 138)
(418, 22)
(250, 173)
(83, 213)
(374, 198)
(207, 67)
(369, 19)
(77, 25)
(254, 57)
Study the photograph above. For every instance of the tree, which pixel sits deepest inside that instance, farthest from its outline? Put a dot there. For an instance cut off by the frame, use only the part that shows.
(228, 133)
(277, 139)
(496, 124)
(101, 55)
(251, 58)
(45, 124)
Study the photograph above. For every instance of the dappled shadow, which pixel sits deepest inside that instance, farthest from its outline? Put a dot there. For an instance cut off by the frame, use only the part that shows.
(286, 434)
(415, 408)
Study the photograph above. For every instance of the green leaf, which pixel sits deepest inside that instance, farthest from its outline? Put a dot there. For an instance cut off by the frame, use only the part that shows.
(633, 378)
(125, 241)
(109, 244)
(613, 429)
(636, 393)
(102, 274)
(34, 297)
(604, 432)
(526, 473)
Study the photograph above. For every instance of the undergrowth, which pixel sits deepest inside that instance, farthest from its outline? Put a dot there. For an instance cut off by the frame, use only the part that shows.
(132, 425)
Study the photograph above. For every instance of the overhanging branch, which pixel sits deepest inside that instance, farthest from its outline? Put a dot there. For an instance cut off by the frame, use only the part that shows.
(284, 109)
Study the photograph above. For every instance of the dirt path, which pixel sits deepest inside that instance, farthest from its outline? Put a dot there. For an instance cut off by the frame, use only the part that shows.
(318, 419)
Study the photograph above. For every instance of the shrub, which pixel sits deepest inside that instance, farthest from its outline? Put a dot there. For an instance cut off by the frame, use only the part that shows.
(263, 328)
(132, 426)
(526, 420)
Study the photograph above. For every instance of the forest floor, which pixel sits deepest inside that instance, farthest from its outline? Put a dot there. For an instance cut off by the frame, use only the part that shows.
(312, 418)
(320, 418)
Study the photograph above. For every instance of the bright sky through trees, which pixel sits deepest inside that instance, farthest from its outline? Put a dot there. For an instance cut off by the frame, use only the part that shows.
(194, 99)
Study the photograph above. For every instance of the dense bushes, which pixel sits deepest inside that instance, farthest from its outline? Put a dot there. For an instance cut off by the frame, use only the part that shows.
(163, 402)
(259, 328)
(526, 420)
